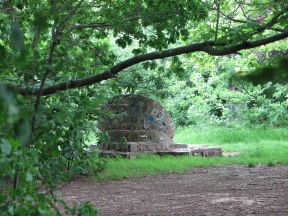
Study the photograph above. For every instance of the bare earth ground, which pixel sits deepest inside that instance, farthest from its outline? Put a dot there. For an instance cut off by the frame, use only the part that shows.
(228, 190)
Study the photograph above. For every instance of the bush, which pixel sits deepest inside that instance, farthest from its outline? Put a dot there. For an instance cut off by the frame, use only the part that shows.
(30, 170)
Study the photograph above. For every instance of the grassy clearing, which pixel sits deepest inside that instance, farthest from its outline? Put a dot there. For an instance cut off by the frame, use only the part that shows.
(257, 146)
(229, 135)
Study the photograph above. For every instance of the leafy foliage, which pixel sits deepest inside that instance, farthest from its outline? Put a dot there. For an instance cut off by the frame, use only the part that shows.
(274, 71)
(29, 175)
(216, 90)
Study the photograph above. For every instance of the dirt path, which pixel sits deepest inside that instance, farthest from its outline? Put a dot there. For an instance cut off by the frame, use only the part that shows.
(229, 190)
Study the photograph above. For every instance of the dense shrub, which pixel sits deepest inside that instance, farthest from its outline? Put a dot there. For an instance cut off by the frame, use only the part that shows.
(31, 171)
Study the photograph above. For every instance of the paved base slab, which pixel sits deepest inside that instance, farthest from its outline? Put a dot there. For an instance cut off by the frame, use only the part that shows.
(175, 149)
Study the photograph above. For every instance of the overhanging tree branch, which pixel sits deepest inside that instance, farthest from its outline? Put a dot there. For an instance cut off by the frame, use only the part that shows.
(210, 47)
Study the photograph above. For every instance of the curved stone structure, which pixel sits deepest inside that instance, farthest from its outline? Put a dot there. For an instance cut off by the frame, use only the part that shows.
(141, 121)
(140, 124)
(136, 112)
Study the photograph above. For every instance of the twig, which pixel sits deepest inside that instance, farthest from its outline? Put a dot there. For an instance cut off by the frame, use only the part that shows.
(217, 3)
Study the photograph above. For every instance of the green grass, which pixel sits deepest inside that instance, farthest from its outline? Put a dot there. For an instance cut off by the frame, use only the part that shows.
(256, 146)
(229, 135)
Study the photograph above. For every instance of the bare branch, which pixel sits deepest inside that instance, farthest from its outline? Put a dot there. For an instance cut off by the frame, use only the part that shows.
(70, 15)
(123, 20)
(269, 25)
(217, 3)
(273, 21)
(54, 42)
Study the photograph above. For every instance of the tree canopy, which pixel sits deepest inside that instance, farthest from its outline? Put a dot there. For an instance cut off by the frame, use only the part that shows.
(63, 45)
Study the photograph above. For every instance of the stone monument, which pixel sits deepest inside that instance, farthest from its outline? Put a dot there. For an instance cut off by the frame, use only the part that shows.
(139, 124)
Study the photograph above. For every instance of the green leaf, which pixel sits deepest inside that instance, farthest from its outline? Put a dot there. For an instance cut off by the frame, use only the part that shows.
(29, 177)
(14, 143)
(23, 131)
(16, 37)
(5, 147)
(2, 52)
